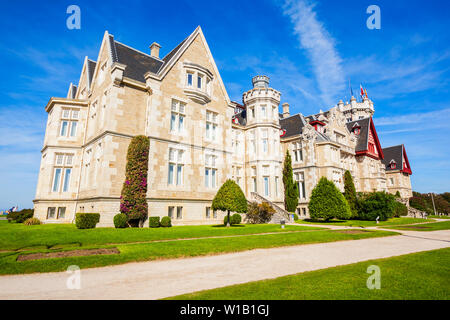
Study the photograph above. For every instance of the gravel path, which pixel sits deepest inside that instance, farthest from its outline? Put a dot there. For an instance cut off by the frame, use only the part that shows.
(166, 278)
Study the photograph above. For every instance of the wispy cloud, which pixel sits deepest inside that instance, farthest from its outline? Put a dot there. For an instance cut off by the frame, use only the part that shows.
(320, 48)
(442, 115)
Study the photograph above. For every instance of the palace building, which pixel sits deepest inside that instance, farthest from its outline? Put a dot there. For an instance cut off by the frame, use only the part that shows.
(199, 138)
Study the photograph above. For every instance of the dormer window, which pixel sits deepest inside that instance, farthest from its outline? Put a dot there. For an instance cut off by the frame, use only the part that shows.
(356, 129)
(393, 164)
(318, 125)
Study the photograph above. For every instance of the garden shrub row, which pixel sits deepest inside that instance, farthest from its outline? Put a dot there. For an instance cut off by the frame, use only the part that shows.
(86, 220)
(20, 216)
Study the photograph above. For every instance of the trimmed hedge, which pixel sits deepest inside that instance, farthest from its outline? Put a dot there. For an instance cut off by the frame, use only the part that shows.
(327, 202)
(377, 204)
(120, 220)
(86, 220)
(20, 216)
(32, 222)
(153, 222)
(166, 222)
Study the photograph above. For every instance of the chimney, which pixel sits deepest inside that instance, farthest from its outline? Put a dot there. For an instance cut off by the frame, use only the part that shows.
(154, 50)
(286, 112)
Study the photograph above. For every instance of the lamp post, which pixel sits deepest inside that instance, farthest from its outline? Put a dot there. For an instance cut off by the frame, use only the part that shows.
(432, 199)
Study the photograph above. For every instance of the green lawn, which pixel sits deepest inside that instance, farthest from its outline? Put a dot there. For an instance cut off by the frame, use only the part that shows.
(445, 225)
(176, 249)
(14, 236)
(414, 276)
(438, 217)
(361, 223)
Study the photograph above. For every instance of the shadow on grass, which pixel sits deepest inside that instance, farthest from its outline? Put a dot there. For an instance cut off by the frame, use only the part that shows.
(325, 221)
(232, 226)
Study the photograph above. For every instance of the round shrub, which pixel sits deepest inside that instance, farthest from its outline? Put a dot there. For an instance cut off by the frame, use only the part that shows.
(327, 202)
(166, 222)
(120, 220)
(86, 220)
(236, 218)
(295, 217)
(32, 222)
(153, 222)
(230, 198)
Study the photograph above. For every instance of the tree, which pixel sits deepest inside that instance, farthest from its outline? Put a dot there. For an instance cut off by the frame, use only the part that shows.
(397, 194)
(328, 202)
(230, 198)
(377, 204)
(133, 200)
(291, 192)
(350, 194)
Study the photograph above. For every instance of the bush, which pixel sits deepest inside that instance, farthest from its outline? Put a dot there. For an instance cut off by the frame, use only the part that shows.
(377, 204)
(120, 220)
(166, 222)
(154, 222)
(236, 218)
(295, 217)
(400, 210)
(327, 202)
(20, 216)
(259, 213)
(397, 194)
(133, 199)
(32, 222)
(86, 220)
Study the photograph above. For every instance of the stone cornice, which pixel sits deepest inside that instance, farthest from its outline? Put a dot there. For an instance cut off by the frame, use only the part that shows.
(65, 101)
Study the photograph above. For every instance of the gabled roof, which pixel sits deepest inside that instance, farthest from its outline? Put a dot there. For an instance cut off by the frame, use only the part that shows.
(398, 154)
(72, 93)
(90, 71)
(367, 127)
(137, 63)
(293, 125)
(363, 137)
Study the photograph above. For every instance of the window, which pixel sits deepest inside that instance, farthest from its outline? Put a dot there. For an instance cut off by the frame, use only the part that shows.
(170, 212)
(391, 181)
(61, 212)
(265, 141)
(300, 178)
(304, 211)
(177, 116)
(266, 186)
(210, 171)
(298, 154)
(208, 213)
(69, 122)
(62, 172)
(252, 143)
(336, 177)
(51, 212)
(252, 109)
(264, 112)
(199, 82)
(175, 167)
(211, 125)
(190, 77)
(101, 75)
(276, 185)
(179, 212)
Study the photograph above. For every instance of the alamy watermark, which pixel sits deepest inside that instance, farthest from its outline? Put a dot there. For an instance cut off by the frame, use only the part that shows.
(74, 20)
(74, 280)
(374, 281)
(374, 20)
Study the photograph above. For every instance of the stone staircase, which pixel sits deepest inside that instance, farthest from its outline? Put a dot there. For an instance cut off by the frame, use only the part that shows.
(412, 212)
(280, 213)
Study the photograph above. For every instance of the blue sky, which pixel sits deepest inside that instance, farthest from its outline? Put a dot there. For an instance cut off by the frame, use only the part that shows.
(309, 49)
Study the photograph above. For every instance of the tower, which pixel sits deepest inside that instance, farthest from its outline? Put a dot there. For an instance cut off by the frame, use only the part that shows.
(264, 156)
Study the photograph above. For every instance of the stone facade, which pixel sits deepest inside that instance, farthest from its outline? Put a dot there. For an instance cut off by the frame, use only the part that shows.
(198, 138)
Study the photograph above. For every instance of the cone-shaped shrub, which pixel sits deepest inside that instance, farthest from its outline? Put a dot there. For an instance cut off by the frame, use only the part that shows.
(133, 200)
(230, 198)
(350, 194)
(290, 187)
(327, 202)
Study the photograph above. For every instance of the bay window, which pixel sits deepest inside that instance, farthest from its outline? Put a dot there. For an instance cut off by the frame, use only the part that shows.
(69, 122)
